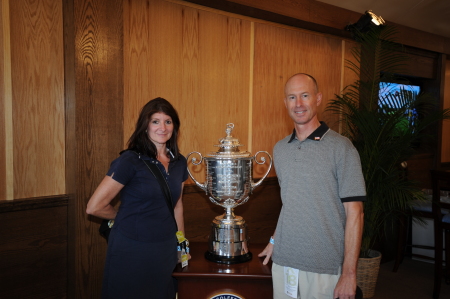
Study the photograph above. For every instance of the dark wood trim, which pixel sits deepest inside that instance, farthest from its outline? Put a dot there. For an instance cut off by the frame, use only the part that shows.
(330, 19)
(445, 165)
(421, 52)
(441, 61)
(248, 11)
(33, 203)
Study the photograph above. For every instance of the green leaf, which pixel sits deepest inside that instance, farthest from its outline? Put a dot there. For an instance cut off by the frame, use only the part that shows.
(384, 131)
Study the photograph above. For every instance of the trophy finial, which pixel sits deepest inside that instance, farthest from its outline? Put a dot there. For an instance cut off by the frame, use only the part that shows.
(229, 145)
(230, 128)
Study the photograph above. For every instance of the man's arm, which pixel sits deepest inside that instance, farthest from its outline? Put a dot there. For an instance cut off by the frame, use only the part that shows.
(346, 286)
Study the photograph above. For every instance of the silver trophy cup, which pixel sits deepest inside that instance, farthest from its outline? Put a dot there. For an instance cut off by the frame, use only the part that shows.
(229, 183)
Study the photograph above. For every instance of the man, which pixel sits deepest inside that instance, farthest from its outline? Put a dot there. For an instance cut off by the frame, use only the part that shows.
(318, 236)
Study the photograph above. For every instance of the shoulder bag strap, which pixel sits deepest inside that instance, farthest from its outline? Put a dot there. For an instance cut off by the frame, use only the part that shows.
(154, 169)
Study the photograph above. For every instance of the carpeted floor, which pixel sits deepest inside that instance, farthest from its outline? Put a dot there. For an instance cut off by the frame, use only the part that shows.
(414, 279)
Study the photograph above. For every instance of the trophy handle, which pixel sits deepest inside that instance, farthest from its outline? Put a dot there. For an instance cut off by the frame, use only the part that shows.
(194, 161)
(263, 160)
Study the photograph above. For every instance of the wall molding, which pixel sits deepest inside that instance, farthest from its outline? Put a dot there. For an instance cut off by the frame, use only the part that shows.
(34, 203)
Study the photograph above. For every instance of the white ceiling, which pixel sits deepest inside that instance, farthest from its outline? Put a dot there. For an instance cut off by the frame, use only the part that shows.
(427, 15)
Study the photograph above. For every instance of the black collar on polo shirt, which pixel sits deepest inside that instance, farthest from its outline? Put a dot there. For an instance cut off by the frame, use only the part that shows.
(316, 135)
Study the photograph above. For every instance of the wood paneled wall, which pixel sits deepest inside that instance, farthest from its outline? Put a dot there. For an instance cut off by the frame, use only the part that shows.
(33, 248)
(3, 103)
(33, 98)
(280, 53)
(217, 68)
(200, 62)
(6, 143)
(94, 115)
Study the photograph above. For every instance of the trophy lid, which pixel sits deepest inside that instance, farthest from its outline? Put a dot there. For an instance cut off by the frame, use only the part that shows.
(229, 146)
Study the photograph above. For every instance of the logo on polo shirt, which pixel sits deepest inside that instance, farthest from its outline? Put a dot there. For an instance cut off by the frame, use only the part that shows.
(226, 296)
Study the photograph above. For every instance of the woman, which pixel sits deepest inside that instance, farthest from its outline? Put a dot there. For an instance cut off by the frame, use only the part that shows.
(142, 246)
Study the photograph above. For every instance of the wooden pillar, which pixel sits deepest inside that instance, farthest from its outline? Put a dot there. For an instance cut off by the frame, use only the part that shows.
(93, 37)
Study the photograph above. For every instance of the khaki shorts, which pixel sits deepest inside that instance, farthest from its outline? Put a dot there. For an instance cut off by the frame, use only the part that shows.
(310, 285)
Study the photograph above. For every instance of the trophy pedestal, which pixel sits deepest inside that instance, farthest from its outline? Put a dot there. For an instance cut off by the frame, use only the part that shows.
(228, 240)
(203, 278)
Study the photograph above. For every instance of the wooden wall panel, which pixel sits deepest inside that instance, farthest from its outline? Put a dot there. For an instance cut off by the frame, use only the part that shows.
(348, 76)
(94, 111)
(38, 97)
(2, 108)
(419, 167)
(445, 153)
(279, 54)
(6, 122)
(423, 66)
(152, 56)
(33, 252)
(200, 63)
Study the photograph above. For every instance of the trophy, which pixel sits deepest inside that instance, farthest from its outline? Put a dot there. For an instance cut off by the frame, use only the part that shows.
(229, 183)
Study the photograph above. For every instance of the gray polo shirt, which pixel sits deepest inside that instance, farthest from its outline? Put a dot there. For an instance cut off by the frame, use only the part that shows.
(316, 176)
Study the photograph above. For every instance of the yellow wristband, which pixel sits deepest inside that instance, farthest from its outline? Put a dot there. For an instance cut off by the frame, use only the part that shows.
(180, 237)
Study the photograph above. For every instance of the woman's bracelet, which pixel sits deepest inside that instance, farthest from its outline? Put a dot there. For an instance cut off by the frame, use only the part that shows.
(272, 241)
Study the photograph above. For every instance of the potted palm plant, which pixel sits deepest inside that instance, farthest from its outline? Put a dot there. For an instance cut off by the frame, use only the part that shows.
(385, 130)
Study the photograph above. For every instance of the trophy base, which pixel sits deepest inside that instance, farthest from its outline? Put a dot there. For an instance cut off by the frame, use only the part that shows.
(228, 259)
(228, 240)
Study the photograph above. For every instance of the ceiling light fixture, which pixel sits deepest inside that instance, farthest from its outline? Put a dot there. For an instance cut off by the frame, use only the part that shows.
(364, 23)
(377, 20)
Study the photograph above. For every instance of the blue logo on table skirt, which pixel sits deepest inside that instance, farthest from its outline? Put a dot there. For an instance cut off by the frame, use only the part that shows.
(226, 296)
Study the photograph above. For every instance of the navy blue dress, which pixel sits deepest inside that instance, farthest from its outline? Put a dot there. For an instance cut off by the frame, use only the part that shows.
(142, 252)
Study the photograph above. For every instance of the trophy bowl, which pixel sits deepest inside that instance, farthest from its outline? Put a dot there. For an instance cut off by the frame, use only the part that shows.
(229, 184)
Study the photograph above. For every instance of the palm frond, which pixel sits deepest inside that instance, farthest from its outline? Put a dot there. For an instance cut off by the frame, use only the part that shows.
(385, 129)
